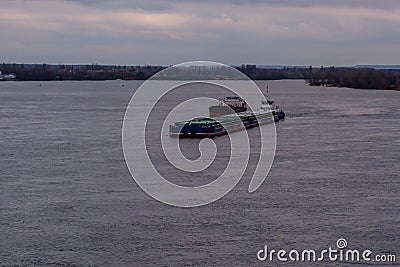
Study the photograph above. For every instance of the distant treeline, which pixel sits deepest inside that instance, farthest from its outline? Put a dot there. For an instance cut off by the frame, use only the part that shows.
(257, 73)
(365, 78)
(46, 72)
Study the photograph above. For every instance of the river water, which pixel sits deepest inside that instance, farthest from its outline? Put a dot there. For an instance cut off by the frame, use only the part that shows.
(68, 199)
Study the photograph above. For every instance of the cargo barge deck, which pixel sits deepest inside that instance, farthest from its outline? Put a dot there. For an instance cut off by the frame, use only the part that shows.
(216, 126)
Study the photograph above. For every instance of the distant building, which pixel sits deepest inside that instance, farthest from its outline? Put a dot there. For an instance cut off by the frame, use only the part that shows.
(4, 77)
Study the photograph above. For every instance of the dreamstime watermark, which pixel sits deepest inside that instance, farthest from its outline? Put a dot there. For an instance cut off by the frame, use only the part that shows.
(340, 253)
(135, 133)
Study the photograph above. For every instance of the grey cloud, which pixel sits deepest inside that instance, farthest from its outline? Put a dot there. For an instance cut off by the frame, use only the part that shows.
(230, 31)
(152, 5)
(161, 5)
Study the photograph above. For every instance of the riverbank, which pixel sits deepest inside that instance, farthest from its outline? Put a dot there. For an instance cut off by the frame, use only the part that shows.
(350, 77)
(393, 88)
(356, 78)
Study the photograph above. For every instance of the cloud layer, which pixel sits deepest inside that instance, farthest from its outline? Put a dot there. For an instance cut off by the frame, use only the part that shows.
(167, 32)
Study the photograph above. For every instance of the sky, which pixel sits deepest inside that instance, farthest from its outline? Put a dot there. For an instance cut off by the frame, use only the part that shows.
(157, 32)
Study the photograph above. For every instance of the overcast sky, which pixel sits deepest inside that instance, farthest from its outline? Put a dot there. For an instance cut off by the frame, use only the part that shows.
(296, 32)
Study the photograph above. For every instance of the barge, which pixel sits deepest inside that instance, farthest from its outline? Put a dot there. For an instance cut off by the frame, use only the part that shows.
(230, 115)
(216, 126)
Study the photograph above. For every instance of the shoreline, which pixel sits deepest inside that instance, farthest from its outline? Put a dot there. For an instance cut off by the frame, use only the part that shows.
(330, 85)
